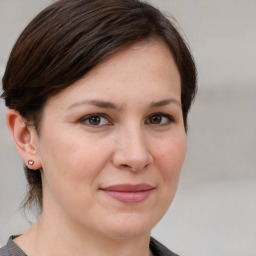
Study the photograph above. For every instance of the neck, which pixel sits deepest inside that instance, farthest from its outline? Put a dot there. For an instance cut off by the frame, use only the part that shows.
(63, 238)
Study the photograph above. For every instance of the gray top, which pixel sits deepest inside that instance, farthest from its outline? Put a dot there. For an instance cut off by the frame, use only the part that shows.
(12, 249)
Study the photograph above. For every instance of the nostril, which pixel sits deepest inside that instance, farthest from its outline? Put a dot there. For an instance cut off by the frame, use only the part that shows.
(127, 158)
(126, 166)
(133, 168)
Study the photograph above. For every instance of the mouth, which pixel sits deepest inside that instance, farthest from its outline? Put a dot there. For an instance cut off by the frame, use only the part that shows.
(129, 193)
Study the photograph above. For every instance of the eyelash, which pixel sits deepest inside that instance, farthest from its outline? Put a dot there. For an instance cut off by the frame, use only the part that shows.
(86, 119)
(169, 118)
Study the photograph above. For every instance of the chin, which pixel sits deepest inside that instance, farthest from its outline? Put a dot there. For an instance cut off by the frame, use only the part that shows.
(131, 226)
(129, 232)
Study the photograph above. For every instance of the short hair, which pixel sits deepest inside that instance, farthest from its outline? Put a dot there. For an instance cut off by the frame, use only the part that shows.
(68, 39)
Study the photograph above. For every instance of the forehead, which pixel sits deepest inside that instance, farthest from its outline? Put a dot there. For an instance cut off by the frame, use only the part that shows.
(152, 52)
(145, 69)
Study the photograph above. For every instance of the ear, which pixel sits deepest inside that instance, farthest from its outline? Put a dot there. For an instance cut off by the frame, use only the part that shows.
(25, 138)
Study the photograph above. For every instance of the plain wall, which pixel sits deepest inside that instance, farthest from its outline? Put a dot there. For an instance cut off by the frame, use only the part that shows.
(215, 206)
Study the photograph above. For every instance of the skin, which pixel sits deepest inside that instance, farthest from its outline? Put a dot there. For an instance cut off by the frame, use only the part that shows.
(129, 143)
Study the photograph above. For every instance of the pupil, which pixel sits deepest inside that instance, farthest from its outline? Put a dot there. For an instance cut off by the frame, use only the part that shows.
(156, 119)
(95, 120)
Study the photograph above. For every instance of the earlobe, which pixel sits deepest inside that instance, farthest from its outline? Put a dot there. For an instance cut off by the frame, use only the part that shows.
(25, 138)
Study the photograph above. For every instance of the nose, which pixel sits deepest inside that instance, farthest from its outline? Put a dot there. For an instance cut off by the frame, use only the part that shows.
(132, 151)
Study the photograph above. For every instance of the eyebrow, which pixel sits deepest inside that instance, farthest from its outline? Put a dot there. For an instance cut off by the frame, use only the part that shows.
(97, 103)
(110, 105)
(164, 103)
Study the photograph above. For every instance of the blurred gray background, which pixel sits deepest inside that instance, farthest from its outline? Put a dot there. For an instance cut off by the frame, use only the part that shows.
(214, 212)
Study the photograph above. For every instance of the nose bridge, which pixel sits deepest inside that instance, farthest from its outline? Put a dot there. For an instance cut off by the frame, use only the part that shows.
(134, 140)
(133, 151)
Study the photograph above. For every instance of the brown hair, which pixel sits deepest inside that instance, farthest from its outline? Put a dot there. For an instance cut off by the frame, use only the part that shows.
(68, 39)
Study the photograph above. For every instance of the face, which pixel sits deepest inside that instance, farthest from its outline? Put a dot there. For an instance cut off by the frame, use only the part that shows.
(112, 144)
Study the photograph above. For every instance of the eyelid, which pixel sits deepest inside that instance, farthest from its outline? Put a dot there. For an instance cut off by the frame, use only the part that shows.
(85, 118)
(101, 115)
(168, 116)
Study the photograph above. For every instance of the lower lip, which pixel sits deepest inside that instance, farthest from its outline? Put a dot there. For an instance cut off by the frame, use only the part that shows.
(129, 197)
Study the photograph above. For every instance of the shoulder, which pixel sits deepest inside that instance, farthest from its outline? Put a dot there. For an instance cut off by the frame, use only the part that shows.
(4, 251)
(11, 249)
(159, 249)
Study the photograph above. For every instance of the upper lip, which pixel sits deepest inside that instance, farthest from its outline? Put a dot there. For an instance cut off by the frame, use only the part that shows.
(129, 187)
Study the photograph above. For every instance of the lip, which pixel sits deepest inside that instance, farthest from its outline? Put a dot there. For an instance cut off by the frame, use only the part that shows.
(129, 193)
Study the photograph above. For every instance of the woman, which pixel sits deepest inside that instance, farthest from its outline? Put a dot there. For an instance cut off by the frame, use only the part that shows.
(98, 95)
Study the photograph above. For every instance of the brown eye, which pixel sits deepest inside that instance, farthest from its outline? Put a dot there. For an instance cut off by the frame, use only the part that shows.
(155, 119)
(159, 119)
(95, 120)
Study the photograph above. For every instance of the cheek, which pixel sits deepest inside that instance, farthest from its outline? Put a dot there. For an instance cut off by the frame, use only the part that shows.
(70, 166)
(71, 158)
(172, 152)
(169, 157)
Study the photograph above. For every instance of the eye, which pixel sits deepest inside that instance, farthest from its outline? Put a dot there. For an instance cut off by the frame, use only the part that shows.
(159, 119)
(95, 120)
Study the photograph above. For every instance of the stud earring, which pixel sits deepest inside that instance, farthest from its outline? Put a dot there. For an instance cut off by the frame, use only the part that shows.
(30, 162)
